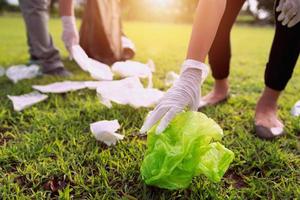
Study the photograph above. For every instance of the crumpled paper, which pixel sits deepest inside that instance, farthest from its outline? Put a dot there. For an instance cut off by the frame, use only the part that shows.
(60, 87)
(20, 72)
(105, 131)
(135, 69)
(296, 109)
(127, 43)
(97, 70)
(128, 91)
(171, 78)
(26, 100)
(2, 71)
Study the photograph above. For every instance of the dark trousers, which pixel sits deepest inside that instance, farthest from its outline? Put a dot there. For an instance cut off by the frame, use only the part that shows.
(283, 56)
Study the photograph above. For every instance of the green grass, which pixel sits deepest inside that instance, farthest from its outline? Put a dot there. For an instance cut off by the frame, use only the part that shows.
(47, 151)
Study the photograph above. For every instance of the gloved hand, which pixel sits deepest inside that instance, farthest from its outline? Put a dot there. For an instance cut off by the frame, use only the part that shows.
(290, 12)
(185, 92)
(70, 35)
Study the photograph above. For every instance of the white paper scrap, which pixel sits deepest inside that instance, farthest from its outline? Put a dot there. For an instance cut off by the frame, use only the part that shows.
(128, 91)
(97, 70)
(296, 109)
(20, 72)
(60, 87)
(27, 100)
(105, 131)
(135, 69)
(127, 43)
(92, 85)
(171, 78)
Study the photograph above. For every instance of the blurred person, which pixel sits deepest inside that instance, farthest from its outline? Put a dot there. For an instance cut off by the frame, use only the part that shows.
(211, 36)
(41, 48)
(282, 60)
(101, 33)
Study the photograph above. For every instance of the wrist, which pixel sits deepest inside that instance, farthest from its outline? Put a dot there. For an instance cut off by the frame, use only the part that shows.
(68, 22)
(189, 64)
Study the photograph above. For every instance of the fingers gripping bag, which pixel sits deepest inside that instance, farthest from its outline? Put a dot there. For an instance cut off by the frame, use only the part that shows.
(186, 149)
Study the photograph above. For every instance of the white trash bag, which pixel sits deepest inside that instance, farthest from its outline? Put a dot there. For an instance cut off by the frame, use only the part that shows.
(61, 87)
(97, 70)
(135, 69)
(296, 109)
(26, 100)
(105, 131)
(19, 72)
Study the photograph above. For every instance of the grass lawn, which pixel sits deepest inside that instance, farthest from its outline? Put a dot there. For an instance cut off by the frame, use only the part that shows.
(47, 151)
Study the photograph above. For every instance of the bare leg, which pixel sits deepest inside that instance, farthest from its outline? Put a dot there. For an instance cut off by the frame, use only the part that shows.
(208, 17)
(220, 55)
(266, 109)
(219, 93)
(282, 60)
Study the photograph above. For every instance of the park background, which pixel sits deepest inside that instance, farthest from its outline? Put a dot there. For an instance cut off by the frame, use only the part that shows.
(47, 151)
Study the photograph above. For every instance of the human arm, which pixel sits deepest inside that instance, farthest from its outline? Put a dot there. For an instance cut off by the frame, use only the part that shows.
(185, 91)
(70, 35)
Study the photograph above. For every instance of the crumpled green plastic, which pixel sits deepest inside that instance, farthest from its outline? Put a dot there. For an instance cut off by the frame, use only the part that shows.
(186, 149)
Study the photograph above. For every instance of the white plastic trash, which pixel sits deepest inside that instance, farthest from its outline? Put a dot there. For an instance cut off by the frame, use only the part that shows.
(60, 87)
(127, 43)
(2, 71)
(128, 91)
(97, 70)
(27, 100)
(171, 78)
(135, 69)
(296, 109)
(105, 131)
(20, 72)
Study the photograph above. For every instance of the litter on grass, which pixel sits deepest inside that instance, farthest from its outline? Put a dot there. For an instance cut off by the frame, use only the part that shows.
(2, 71)
(105, 131)
(26, 100)
(97, 70)
(187, 148)
(92, 85)
(128, 91)
(135, 69)
(296, 109)
(60, 87)
(127, 43)
(171, 78)
(20, 72)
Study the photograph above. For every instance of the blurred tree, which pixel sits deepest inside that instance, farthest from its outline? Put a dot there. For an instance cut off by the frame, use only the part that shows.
(3, 5)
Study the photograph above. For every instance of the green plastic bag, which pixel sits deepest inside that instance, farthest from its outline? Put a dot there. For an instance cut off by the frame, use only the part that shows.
(185, 150)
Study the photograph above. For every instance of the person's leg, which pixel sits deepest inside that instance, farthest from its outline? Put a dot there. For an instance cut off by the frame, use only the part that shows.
(41, 48)
(220, 54)
(282, 60)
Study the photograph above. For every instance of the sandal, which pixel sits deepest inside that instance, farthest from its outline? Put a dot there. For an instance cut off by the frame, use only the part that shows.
(268, 133)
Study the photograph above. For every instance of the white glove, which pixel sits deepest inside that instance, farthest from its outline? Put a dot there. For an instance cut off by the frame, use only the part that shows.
(290, 12)
(185, 92)
(70, 34)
